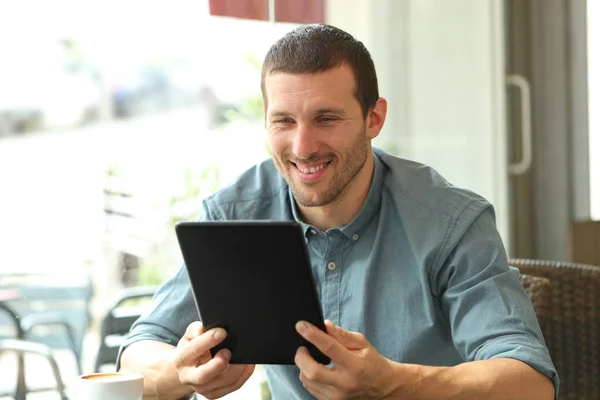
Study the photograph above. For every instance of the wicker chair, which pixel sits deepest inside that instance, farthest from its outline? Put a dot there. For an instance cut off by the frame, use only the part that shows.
(540, 292)
(572, 332)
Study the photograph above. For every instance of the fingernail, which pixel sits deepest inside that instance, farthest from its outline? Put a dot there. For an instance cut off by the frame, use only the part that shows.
(226, 355)
(302, 327)
(219, 334)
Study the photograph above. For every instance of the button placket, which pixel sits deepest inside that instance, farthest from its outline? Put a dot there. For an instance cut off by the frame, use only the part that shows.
(332, 271)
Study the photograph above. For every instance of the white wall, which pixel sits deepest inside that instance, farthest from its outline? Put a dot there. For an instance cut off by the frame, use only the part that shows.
(370, 22)
(441, 66)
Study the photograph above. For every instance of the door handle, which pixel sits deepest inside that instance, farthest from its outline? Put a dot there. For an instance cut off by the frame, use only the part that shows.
(523, 165)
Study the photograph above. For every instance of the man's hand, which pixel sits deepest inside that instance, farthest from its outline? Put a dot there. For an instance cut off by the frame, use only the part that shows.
(211, 377)
(359, 371)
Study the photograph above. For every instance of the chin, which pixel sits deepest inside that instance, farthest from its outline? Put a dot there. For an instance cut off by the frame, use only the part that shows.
(311, 199)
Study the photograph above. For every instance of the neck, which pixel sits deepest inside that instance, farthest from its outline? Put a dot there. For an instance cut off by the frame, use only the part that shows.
(342, 210)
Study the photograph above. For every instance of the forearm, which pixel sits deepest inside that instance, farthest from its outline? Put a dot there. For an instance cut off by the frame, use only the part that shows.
(500, 379)
(153, 360)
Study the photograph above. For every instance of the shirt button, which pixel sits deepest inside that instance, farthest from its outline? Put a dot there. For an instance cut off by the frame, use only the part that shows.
(312, 231)
(331, 266)
(355, 236)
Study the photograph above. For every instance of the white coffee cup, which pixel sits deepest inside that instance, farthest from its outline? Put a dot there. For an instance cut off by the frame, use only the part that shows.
(109, 386)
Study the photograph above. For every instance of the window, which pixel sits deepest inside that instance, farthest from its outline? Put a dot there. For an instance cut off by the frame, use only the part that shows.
(116, 118)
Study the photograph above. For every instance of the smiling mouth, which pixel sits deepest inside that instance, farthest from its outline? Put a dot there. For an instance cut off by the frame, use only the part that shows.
(311, 169)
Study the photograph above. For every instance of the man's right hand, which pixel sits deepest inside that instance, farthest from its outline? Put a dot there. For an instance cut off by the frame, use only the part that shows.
(212, 377)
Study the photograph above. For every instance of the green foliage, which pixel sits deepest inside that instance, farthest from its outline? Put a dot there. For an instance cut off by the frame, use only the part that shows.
(150, 273)
(251, 109)
(265, 392)
(254, 61)
(113, 171)
(184, 206)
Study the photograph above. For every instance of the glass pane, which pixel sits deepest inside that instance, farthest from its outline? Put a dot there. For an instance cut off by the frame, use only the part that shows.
(116, 119)
(593, 40)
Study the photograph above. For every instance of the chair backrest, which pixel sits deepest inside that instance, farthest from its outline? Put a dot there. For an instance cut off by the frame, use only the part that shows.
(539, 290)
(65, 297)
(123, 311)
(23, 347)
(572, 332)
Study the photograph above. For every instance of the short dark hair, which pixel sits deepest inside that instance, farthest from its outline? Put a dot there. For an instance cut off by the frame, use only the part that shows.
(318, 48)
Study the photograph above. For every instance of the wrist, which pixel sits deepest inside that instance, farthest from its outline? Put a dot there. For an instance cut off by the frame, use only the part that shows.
(412, 381)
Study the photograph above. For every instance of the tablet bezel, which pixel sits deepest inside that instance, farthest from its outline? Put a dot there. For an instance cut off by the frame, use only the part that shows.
(279, 344)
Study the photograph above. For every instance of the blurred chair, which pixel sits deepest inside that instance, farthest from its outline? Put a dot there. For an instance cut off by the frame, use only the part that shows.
(572, 332)
(55, 319)
(23, 347)
(51, 311)
(14, 331)
(58, 315)
(540, 293)
(123, 311)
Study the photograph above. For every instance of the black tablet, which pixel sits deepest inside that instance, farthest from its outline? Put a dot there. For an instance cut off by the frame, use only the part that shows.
(252, 278)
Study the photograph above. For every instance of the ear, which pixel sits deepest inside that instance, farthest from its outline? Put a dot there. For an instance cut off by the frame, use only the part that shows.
(376, 118)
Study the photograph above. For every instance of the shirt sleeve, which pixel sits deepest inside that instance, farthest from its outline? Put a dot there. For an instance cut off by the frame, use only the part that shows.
(490, 313)
(171, 311)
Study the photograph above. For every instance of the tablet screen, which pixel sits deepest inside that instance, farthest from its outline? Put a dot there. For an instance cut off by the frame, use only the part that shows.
(252, 278)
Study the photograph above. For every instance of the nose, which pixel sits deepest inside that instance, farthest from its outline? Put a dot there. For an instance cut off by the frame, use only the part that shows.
(306, 141)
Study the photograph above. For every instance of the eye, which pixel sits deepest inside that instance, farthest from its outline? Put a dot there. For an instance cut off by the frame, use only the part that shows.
(326, 119)
(282, 121)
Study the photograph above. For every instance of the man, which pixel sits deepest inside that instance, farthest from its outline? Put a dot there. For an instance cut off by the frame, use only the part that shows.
(411, 272)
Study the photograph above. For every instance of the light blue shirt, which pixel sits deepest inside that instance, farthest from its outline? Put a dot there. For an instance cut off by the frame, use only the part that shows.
(421, 271)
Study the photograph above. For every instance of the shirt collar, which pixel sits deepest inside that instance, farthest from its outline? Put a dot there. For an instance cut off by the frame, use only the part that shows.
(359, 224)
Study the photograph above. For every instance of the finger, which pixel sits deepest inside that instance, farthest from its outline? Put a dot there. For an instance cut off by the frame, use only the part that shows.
(350, 340)
(194, 329)
(240, 378)
(199, 346)
(313, 371)
(204, 374)
(226, 378)
(319, 391)
(330, 327)
(328, 345)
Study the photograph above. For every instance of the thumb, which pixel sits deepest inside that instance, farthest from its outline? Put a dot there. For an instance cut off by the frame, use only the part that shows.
(194, 329)
(351, 340)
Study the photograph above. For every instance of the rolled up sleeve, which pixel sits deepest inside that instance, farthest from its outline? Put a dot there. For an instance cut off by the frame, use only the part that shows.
(490, 313)
(171, 311)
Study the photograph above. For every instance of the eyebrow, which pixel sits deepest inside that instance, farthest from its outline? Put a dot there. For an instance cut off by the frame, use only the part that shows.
(320, 111)
(330, 110)
(278, 114)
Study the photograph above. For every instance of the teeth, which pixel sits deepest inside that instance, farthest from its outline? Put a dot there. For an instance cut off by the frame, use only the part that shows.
(311, 170)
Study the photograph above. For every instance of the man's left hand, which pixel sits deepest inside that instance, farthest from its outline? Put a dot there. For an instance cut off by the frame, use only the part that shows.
(359, 371)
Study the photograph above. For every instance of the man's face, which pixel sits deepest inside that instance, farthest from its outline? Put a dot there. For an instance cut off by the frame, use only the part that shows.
(316, 132)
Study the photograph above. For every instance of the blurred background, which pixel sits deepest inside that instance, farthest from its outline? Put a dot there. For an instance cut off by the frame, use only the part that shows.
(118, 117)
